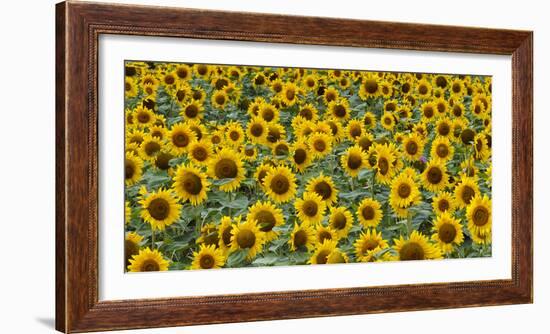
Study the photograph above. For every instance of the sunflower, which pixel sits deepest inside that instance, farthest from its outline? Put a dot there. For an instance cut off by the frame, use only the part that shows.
(183, 72)
(481, 147)
(330, 94)
(369, 212)
(323, 186)
(443, 202)
(219, 82)
(465, 191)
(365, 141)
(269, 113)
(249, 152)
(160, 208)
(320, 144)
(403, 191)
(256, 130)
(310, 209)
(224, 233)
(385, 162)
(428, 111)
(234, 133)
(180, 137)
(353, 160)
(441, 106)
(457, 88)
(290, 93)
(267, 216)
(302, 236)
(227, 165)
(387, 121)
(190, 183)
(248, 237)
(337, 256)
(132, 243)
(441, 149)
(200, 152)
(340, 220)
(370, 87)
(148, 260)
(321, 254)
(277, 86)
(259, 80)
(308, 112)
(192, 110)
(447, 232)
(150, 147)
(300, 156)
(208, 257)
(143, 116)
(413, 147)
(479, 216)
(435, 177)
(369, 120)
(339, 109)
(280, 149)
(368, 244)
(262, 171)
(280, 184)
(443, 127)
(423, 89)
(416, 247)
(169, 79)
(336, 129)
(275, 132)
(457, 110)
(133, 168)
(130, 88)
(355, 129)
(219, 99)
(127, 212)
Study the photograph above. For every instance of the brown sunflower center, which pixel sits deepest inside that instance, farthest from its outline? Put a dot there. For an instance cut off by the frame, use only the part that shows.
(290, 94)
(423, 89)
(480, 216)
(226, 169)
(457, 110)
(443, 205)
(369, 245)
(199, 153)
(383, 166)
(368, 212)
(324, 235)
(256, 130)
(202, 69)
(182, 72)
(310, 208)
(306, 113)
(339, 110)
(127, 86)
(365, 143)
(280, 184)
(467, 194)
(442, 150)
(330, 96)
(411, 147)
(354, 161)
(268, 114)
(163, 160)
(444, 129)
(129, 169)
(266, 220)
(169, 79)
(322, 256)
(220, 99)
(371, 86)
(246, 239)
(404, 190)
(434, 175)
(234, 135)
(151, 148)
(441, 82)
(281, 149)
(355, 131)
(159, 208)
(467, 136)
(339, 221)
(411, 251)
(441, 107)
(150, 265)
(192, 183)
(300, 156)
(180, 139)
(406, 87)
(323, 189)
(300, 238)
(220, 83)
(428, 111)
(320, 145)
(143, 117)
(130, 248)
(207, 261)
(226, 236)
(191, 111)
(447, 233)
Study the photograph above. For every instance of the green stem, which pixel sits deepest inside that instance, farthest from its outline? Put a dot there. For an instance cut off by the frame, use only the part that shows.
(409, 222)
(152, 238)
(352, 183)
(372, 183)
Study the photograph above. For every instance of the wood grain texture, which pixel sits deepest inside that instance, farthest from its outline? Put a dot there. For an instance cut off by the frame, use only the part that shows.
(78, 27)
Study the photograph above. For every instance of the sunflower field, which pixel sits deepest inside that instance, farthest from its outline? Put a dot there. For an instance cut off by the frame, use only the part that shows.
(247, 166)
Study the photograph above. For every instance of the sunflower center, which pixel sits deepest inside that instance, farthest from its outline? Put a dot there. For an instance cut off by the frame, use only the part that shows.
(339, 110)
(249, 152)
(428, 111)
(261, 176)
(406, 87)
(226, 169)
(169, 79)
(159, 208)
(150, 265)
(323, 189)
(191, 111)
(182, 72)
(442, 150)
(324, 235)
(434, 175)
(423, 89)
(411, 251)
(354, 161)
(290, 94)
(226, 236)
(300, 238)
(467, 136)
(355, 132)
(457, 111)
(130, 248)
(443, 205)
(163, 160)
(281, 149)
(280, 184)
(266, 220)
(371, 86)
(310, 208)
(127, 86)
(479, 145)
(234, 135)
(368, 213)
(207, 261)
(256, 130)
(268, 114)
(339, 221)
(306, 113)
(411, 147)
(129, 169)
(246, 239)
(221, 83)
(387, 120)
(322, 256)
(444, 129)
(480, 216)
(220, 99)
(199, 153)
(320, 145)
(202, 69)
(151, 148)
(197, 95)
(404, 190)
(369, 245)
(300, 156)
(467, 194)
(383, 166)
(143, 117)
(441, 82)
(447, 233)
(441, 107)
(330, 96)
(192, 183)
(180, 139)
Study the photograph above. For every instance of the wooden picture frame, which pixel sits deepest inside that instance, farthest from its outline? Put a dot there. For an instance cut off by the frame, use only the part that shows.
(78, 26)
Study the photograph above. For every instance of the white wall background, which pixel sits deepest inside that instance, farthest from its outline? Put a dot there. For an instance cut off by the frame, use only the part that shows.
(27, 69)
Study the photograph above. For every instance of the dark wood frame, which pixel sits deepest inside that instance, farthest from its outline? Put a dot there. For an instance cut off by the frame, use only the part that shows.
(78, 26)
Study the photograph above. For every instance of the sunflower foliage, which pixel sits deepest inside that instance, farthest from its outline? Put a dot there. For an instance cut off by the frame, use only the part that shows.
(244, 166)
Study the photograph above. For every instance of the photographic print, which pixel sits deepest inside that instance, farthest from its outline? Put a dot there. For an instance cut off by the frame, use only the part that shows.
(231, 166)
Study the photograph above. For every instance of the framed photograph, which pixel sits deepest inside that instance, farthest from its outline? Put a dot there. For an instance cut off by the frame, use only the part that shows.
(212, 169)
